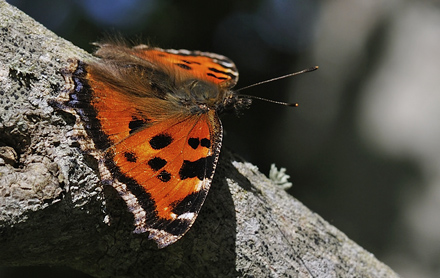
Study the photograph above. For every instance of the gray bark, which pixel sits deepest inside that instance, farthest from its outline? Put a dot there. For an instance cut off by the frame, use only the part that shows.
(53, 208)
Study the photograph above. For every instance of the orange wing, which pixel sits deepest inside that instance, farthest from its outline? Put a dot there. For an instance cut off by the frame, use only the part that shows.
(178, 64)
(207, 66)
(159, 156)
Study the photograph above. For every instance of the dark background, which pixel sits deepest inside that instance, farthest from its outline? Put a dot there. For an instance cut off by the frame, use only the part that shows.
(348, 151)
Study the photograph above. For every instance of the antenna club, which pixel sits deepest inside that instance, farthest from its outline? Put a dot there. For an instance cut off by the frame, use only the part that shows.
(310, 69)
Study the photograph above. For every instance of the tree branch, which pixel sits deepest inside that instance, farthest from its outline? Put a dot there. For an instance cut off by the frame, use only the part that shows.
(52, 206)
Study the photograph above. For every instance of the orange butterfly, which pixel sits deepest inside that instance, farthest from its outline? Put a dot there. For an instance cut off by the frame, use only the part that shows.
(150, 118)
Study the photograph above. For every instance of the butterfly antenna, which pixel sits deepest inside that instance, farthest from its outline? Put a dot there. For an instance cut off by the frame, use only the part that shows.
(269, 100)
(271, 80)
(278, 78)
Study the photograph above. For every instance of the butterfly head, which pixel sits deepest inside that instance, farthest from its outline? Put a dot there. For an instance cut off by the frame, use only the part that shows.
(234, 103)
(201, 96)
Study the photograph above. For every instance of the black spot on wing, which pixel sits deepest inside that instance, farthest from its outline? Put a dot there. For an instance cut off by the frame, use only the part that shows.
(160, 141)
(183, 66)
(205, 143)
(222, 72)
(157, 163)
(213, 75)
(200, 168)
(164, 176)
(136, 123)
(193, 142)
(191, 62)
(130, 156)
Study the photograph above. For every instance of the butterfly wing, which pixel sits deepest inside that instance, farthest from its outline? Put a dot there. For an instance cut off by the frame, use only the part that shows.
(206, 66)
(179, 64)
(157, 155)
(168, 167)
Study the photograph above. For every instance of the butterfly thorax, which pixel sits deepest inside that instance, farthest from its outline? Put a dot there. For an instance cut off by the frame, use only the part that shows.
(200, 96)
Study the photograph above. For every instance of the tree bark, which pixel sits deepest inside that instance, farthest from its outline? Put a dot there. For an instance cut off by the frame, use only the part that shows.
(54, 211)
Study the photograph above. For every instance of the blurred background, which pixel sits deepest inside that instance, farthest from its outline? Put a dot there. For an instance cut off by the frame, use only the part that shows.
(362, 148)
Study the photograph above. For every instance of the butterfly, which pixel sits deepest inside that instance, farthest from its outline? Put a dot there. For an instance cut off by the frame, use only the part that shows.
(150, 117)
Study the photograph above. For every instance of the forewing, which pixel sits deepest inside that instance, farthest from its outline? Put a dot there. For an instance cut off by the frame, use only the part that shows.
(178, 64)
